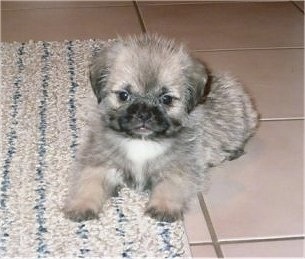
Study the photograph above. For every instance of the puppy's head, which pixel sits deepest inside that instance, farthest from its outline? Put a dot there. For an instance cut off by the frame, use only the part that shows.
(147, 85)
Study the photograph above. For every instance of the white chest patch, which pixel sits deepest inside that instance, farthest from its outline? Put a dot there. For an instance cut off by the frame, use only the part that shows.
(140, 151)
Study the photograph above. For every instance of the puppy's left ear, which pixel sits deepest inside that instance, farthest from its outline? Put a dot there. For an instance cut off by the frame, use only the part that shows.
(99, 69)
(197, 83)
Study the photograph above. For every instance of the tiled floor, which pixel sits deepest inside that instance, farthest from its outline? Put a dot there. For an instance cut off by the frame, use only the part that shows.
(254, 206)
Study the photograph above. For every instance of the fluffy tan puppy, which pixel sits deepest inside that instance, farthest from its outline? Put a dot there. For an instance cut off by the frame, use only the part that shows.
(160, 121)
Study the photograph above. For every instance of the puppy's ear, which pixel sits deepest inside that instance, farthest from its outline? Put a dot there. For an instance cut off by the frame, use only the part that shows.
(99, 70)
(197, 83)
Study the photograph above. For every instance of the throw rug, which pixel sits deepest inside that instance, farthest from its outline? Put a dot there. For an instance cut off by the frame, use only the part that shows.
(43, 88)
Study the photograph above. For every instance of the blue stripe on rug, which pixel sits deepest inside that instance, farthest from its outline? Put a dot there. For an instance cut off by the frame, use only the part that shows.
(72, 93)
(120, 229)
(12, 139)
(167, 247)
(82, 231)
(42, 249)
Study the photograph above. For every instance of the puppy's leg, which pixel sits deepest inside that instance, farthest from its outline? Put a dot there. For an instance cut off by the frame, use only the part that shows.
(93, 186)
(168, 199)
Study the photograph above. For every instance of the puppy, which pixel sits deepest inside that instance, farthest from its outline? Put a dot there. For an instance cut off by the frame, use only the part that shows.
(160, 121)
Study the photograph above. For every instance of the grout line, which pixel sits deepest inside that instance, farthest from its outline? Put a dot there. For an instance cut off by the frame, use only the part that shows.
(259, 240)
(299, 8)
(283, 119)
(140, 16)
(247, 49)
(201, 243)
(249, 240)
(212, 231)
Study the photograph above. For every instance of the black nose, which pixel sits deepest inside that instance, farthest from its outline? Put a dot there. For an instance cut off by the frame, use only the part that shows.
(144, 115)
(141, 111)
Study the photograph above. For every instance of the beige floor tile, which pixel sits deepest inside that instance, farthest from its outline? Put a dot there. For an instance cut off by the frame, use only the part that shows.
(228, 25)
(203, 251)
(166, 2)
(261, 193)
(291, 248)
(181, 2)
(275, 78)
(68, 23)
(21, 5)
(195, 225)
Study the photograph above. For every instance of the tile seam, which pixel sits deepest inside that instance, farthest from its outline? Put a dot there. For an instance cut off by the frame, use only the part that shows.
(282, 119)
(140, 17)
(250, 240)
(248, 49)
(260, 240)
(298, 7)
(201, 243)
(210, 226)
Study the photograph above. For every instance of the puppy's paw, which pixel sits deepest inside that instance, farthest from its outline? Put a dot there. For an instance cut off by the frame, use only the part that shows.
(79, 211)
(162, 214)
(79, 216)
(164, 209)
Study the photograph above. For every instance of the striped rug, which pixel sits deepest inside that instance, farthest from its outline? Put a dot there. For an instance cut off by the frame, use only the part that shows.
(43, 88)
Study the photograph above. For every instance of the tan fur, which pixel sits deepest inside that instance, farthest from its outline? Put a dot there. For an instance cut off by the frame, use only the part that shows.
(138, 139)
(89, 193)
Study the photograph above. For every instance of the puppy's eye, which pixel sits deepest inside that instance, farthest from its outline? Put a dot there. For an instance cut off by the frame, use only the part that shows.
(166, 99)
(123, 96)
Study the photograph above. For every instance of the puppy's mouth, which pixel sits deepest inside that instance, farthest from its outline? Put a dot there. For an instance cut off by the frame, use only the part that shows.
(143, 130)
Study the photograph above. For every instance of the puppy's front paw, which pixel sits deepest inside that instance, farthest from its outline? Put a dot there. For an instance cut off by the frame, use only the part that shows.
(163, 214)
(81, 210)
(164, 208)
(166, 203)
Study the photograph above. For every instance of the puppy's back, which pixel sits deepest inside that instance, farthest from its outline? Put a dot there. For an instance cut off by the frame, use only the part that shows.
(229, 118)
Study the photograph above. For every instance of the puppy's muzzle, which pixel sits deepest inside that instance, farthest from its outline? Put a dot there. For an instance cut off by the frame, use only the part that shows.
(142, 118)
(141, 111)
